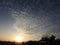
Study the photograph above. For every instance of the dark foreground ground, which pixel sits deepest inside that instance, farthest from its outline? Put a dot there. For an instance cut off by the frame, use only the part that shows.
(44, 41)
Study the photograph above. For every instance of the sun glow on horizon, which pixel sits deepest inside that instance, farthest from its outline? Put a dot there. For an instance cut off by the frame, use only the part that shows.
(18, 39)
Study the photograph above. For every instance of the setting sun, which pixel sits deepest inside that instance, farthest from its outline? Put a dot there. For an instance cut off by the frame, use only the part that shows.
(18, 39)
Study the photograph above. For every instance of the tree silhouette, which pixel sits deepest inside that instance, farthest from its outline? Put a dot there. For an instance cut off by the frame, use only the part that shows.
(44, 41)
(52, 40)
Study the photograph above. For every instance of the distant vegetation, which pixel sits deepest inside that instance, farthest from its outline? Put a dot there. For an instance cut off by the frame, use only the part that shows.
(44, 41)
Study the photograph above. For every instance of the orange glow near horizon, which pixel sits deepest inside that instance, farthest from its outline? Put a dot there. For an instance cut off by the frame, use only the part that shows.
(18, 39)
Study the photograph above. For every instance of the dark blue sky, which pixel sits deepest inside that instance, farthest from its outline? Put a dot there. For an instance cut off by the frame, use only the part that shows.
(29, 18)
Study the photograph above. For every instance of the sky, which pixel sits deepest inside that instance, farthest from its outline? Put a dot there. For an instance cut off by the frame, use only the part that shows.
(29, 19)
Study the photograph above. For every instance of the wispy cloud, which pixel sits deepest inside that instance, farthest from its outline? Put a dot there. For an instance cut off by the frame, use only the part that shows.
(35, 19)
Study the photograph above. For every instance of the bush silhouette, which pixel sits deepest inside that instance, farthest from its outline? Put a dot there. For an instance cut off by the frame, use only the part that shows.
(44, 41)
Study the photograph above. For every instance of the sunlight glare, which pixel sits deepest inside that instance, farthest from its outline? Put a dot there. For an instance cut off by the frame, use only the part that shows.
(18, 39)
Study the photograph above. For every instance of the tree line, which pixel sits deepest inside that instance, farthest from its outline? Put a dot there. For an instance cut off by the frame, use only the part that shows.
(44, 41)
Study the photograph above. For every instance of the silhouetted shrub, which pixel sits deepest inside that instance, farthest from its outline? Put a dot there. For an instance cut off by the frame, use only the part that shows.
(44, 41)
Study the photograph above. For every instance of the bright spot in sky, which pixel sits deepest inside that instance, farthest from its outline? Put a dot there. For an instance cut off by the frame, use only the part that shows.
(18, 39)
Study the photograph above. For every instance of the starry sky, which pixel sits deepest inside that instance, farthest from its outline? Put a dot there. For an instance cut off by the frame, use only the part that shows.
(30, 19)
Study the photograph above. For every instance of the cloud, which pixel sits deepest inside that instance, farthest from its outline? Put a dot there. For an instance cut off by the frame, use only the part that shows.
(34, 18)
(28, 24)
